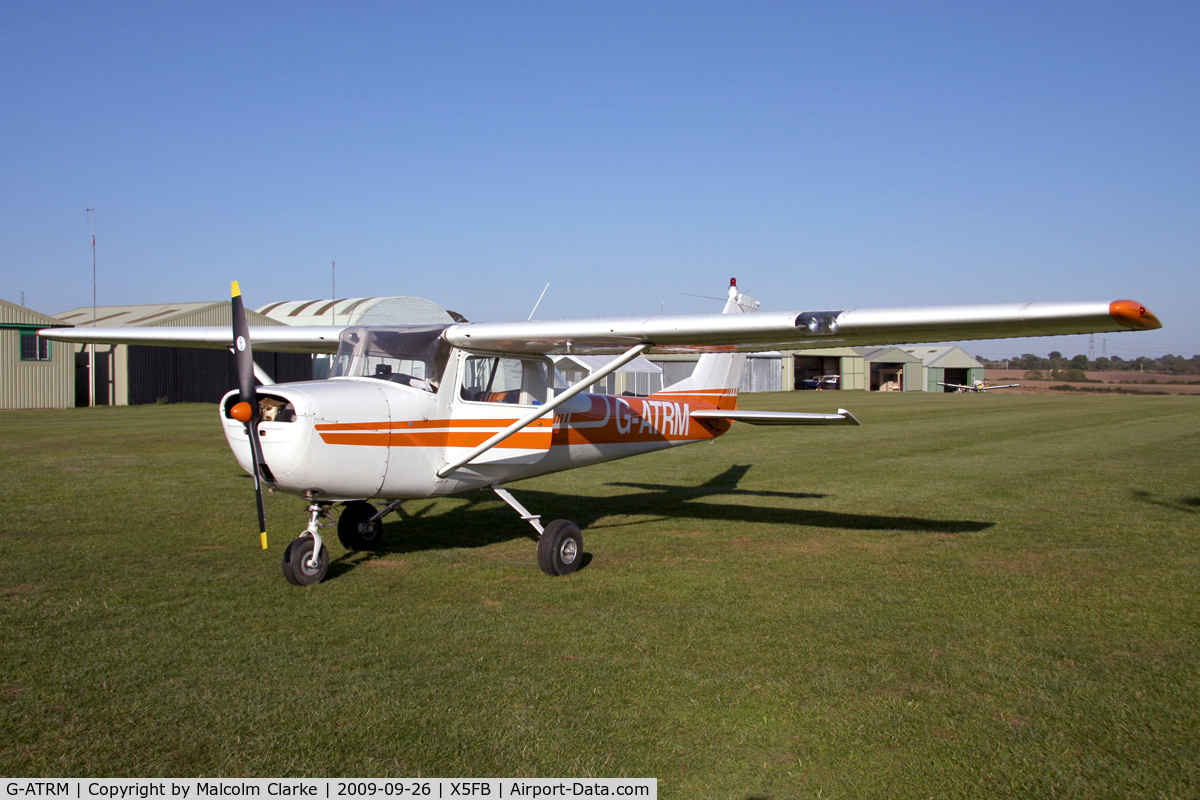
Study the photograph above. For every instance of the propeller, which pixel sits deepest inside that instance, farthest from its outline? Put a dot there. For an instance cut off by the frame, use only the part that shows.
(246, 410)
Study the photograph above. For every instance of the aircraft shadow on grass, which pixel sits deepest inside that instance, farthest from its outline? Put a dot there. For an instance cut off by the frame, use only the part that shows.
(484, 520)
(1185, 504)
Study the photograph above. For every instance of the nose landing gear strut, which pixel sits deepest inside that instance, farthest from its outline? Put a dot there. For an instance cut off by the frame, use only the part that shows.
(306, 559)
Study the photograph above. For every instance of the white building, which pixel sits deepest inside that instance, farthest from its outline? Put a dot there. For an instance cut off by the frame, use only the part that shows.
(639, 377)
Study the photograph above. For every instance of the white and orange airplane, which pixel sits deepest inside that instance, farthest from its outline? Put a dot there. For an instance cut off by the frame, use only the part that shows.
(430, 410)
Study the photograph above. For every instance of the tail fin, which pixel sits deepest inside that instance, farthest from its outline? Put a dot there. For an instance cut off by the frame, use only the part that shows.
(718, 375)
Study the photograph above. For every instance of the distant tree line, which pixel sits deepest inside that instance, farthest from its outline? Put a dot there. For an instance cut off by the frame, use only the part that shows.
(1056, 362)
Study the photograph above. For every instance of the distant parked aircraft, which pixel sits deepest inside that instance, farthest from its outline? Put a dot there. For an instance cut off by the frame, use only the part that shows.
(978, 386)
(823, 382)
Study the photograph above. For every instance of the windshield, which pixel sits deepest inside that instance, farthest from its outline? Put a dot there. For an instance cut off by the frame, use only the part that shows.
(413, 355)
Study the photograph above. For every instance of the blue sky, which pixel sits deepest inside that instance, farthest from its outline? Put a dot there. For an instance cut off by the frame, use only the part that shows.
(829, 156)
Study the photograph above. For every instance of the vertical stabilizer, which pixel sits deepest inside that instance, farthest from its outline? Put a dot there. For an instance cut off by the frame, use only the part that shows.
(720, 374)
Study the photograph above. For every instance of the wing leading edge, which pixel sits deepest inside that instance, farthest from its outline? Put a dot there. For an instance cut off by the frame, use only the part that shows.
(808, 329)
(278, 339)
(695, 333)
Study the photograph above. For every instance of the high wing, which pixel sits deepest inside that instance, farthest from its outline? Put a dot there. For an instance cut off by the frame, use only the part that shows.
(955, 385)
(274, 338)
(801, 330)
(692, 333)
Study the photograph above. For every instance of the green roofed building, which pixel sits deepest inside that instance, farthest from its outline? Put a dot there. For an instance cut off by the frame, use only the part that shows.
(946, 364)
(34, 372)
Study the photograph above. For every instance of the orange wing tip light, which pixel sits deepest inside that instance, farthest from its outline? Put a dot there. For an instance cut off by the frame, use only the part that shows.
(241, 412)
(1133, 315)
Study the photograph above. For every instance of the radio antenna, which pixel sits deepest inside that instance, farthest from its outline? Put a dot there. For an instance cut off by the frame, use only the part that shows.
(92, 345)
(538, 303)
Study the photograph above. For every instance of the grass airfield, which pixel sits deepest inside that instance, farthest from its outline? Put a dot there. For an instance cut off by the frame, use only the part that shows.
(968, 596)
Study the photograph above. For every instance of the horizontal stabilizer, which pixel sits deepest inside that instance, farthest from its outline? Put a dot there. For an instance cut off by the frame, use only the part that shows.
(842, 417)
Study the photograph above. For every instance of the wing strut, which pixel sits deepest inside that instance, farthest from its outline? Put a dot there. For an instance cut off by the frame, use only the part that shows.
(541, 411)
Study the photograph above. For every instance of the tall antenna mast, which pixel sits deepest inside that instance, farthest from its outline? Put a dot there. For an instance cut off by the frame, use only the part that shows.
(334, 290)
(92, 345)
(92, 221)
(538, 303)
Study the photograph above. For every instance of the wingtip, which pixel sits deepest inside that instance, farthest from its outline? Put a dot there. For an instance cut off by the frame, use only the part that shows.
(1133, 315)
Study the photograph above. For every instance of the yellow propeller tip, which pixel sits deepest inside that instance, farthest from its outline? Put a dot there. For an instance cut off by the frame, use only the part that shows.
(236, 289)
(263, 538)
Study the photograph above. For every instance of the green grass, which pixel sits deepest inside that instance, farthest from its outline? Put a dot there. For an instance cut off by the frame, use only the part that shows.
(968, 596)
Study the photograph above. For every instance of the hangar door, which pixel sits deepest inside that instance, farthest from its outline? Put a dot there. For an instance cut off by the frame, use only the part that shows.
(810, 370)
(959, 376)
(887, 376)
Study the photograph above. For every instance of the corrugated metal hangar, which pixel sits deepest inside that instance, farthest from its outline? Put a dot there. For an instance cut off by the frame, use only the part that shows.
(140, 374)
(360, 311)
(887, 368)
(136, 375)
(876, 369)
(34, 372)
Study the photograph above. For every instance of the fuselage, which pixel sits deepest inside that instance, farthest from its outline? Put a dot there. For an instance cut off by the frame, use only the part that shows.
(366, 437)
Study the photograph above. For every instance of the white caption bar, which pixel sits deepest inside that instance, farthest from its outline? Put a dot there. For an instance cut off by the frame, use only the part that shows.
(326, 788)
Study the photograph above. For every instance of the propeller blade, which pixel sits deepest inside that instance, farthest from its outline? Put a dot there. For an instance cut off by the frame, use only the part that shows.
(241, 349)
(247, 411)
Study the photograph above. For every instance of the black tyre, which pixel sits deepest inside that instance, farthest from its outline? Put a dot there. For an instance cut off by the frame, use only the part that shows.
(355, 529)
(296, 566)
(560, 548)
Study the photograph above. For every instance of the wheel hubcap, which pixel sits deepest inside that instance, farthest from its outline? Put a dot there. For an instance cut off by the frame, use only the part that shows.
(568, 551)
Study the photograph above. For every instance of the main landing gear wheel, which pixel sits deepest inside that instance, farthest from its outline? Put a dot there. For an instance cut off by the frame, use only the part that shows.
(298, 564)
(560, 548)
(355, 529)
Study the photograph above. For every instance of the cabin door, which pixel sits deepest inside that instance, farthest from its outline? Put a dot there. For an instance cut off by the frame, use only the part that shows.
(493, 392)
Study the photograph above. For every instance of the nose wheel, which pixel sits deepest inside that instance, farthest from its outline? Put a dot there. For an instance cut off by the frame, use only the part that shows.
(299, 565)
(306, 559)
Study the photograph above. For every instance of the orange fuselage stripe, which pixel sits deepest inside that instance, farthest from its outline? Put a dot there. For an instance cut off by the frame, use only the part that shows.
(611, 420)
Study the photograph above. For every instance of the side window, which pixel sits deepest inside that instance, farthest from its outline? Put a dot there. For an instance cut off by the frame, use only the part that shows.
(34, 347)
(505, 380)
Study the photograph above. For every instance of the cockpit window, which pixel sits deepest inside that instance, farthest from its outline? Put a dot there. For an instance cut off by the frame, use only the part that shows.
(413, 356)
(519, 381)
